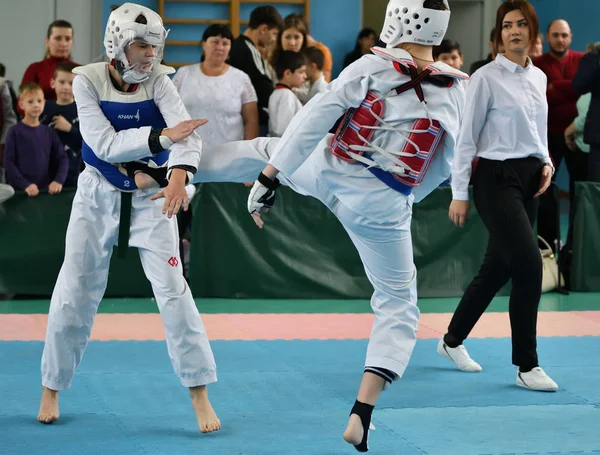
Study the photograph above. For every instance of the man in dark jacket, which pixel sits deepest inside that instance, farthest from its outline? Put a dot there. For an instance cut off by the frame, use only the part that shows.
(586, 80)
(265, 23)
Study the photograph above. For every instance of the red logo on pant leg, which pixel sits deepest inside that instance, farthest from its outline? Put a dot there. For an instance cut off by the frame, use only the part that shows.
(173, 262)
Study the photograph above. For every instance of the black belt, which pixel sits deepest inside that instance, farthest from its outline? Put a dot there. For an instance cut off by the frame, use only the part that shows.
(124, 224)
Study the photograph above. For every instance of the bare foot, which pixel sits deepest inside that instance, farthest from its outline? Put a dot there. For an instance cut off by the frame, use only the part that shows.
(207, 419)
(48, 406)
(144, 181)
(354, 431)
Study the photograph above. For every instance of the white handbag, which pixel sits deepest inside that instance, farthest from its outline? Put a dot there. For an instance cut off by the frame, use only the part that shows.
(550, 269)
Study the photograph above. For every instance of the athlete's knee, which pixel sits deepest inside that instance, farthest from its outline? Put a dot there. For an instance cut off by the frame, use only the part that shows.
(172, 285)
(401, 285)
(267, 146)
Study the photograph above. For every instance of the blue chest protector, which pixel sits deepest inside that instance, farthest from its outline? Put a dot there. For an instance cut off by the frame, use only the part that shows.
(123, 116)
(124, 111)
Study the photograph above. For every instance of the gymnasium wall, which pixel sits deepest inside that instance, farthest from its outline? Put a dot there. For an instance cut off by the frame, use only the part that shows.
(23, 27)
(345, 14)
(580, 14)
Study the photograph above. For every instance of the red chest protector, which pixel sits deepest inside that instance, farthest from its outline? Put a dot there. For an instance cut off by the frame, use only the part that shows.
(419, 149)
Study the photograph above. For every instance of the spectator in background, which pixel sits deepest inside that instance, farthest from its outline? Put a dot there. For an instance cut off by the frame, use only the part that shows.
(491, 56)
(7, 118)
(265, 23)
(587, 81)
(292, 37)
(560, 65)
(364, 42)
(59, 43)
(314, 71)
(11, 90)
(62, 116)
(538, 47)
(215, 91)
(34, 158)
(267, 53)
(579, 149)
(311, 42)
(449, 52)
(284, 104)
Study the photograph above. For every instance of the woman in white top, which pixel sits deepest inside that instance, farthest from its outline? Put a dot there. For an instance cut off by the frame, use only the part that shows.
(505, 126)
(218, 92)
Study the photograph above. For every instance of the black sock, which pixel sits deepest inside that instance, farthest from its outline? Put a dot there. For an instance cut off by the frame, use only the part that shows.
(526, 369)
(363, 411)
(451, 341)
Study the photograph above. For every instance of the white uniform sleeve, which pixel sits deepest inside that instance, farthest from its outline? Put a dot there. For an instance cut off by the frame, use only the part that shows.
(318, 116)
(186, 152)
(542, 123)
(99, 134)
(475, 114)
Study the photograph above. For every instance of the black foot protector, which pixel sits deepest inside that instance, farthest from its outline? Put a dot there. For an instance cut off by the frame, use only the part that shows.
(363, 411)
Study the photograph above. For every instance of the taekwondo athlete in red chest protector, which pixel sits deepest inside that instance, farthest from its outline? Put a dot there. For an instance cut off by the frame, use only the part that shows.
(400, 115)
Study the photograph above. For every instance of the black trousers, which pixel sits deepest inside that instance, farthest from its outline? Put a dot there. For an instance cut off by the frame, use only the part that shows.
(577, 165)
(503, 193)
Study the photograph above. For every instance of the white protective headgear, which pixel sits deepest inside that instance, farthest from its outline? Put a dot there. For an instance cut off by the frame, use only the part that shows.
(407, 21)
(122, 29)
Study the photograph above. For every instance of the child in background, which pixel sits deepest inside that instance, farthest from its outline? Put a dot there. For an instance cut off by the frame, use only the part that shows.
(34, 158)
(62, 116)
(284, 104)
(449, 52)
(315, 59)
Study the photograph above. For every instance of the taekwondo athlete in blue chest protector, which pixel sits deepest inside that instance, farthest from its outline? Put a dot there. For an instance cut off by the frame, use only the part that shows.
(401, 117)
(131, 117)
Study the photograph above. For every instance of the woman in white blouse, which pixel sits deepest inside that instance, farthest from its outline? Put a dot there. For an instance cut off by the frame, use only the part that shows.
(218, 92)
(505, 126)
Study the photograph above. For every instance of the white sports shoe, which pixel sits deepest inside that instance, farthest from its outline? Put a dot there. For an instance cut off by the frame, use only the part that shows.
(459, 356)
(536, 379)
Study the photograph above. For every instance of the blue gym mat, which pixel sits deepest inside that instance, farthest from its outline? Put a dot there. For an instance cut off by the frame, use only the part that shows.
(293, 397)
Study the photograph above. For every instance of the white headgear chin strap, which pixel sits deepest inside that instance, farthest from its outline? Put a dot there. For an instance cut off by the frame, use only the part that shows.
(130, 73)
(408, 21)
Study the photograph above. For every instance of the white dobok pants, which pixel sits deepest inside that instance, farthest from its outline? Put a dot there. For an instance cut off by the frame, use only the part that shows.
(376, 218)
(91, 235)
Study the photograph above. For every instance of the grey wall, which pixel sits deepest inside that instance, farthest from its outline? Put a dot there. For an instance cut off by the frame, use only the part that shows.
(23, 26)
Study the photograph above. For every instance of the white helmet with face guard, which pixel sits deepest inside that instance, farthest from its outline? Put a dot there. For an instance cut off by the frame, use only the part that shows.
(408, 21)
(138, 31)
